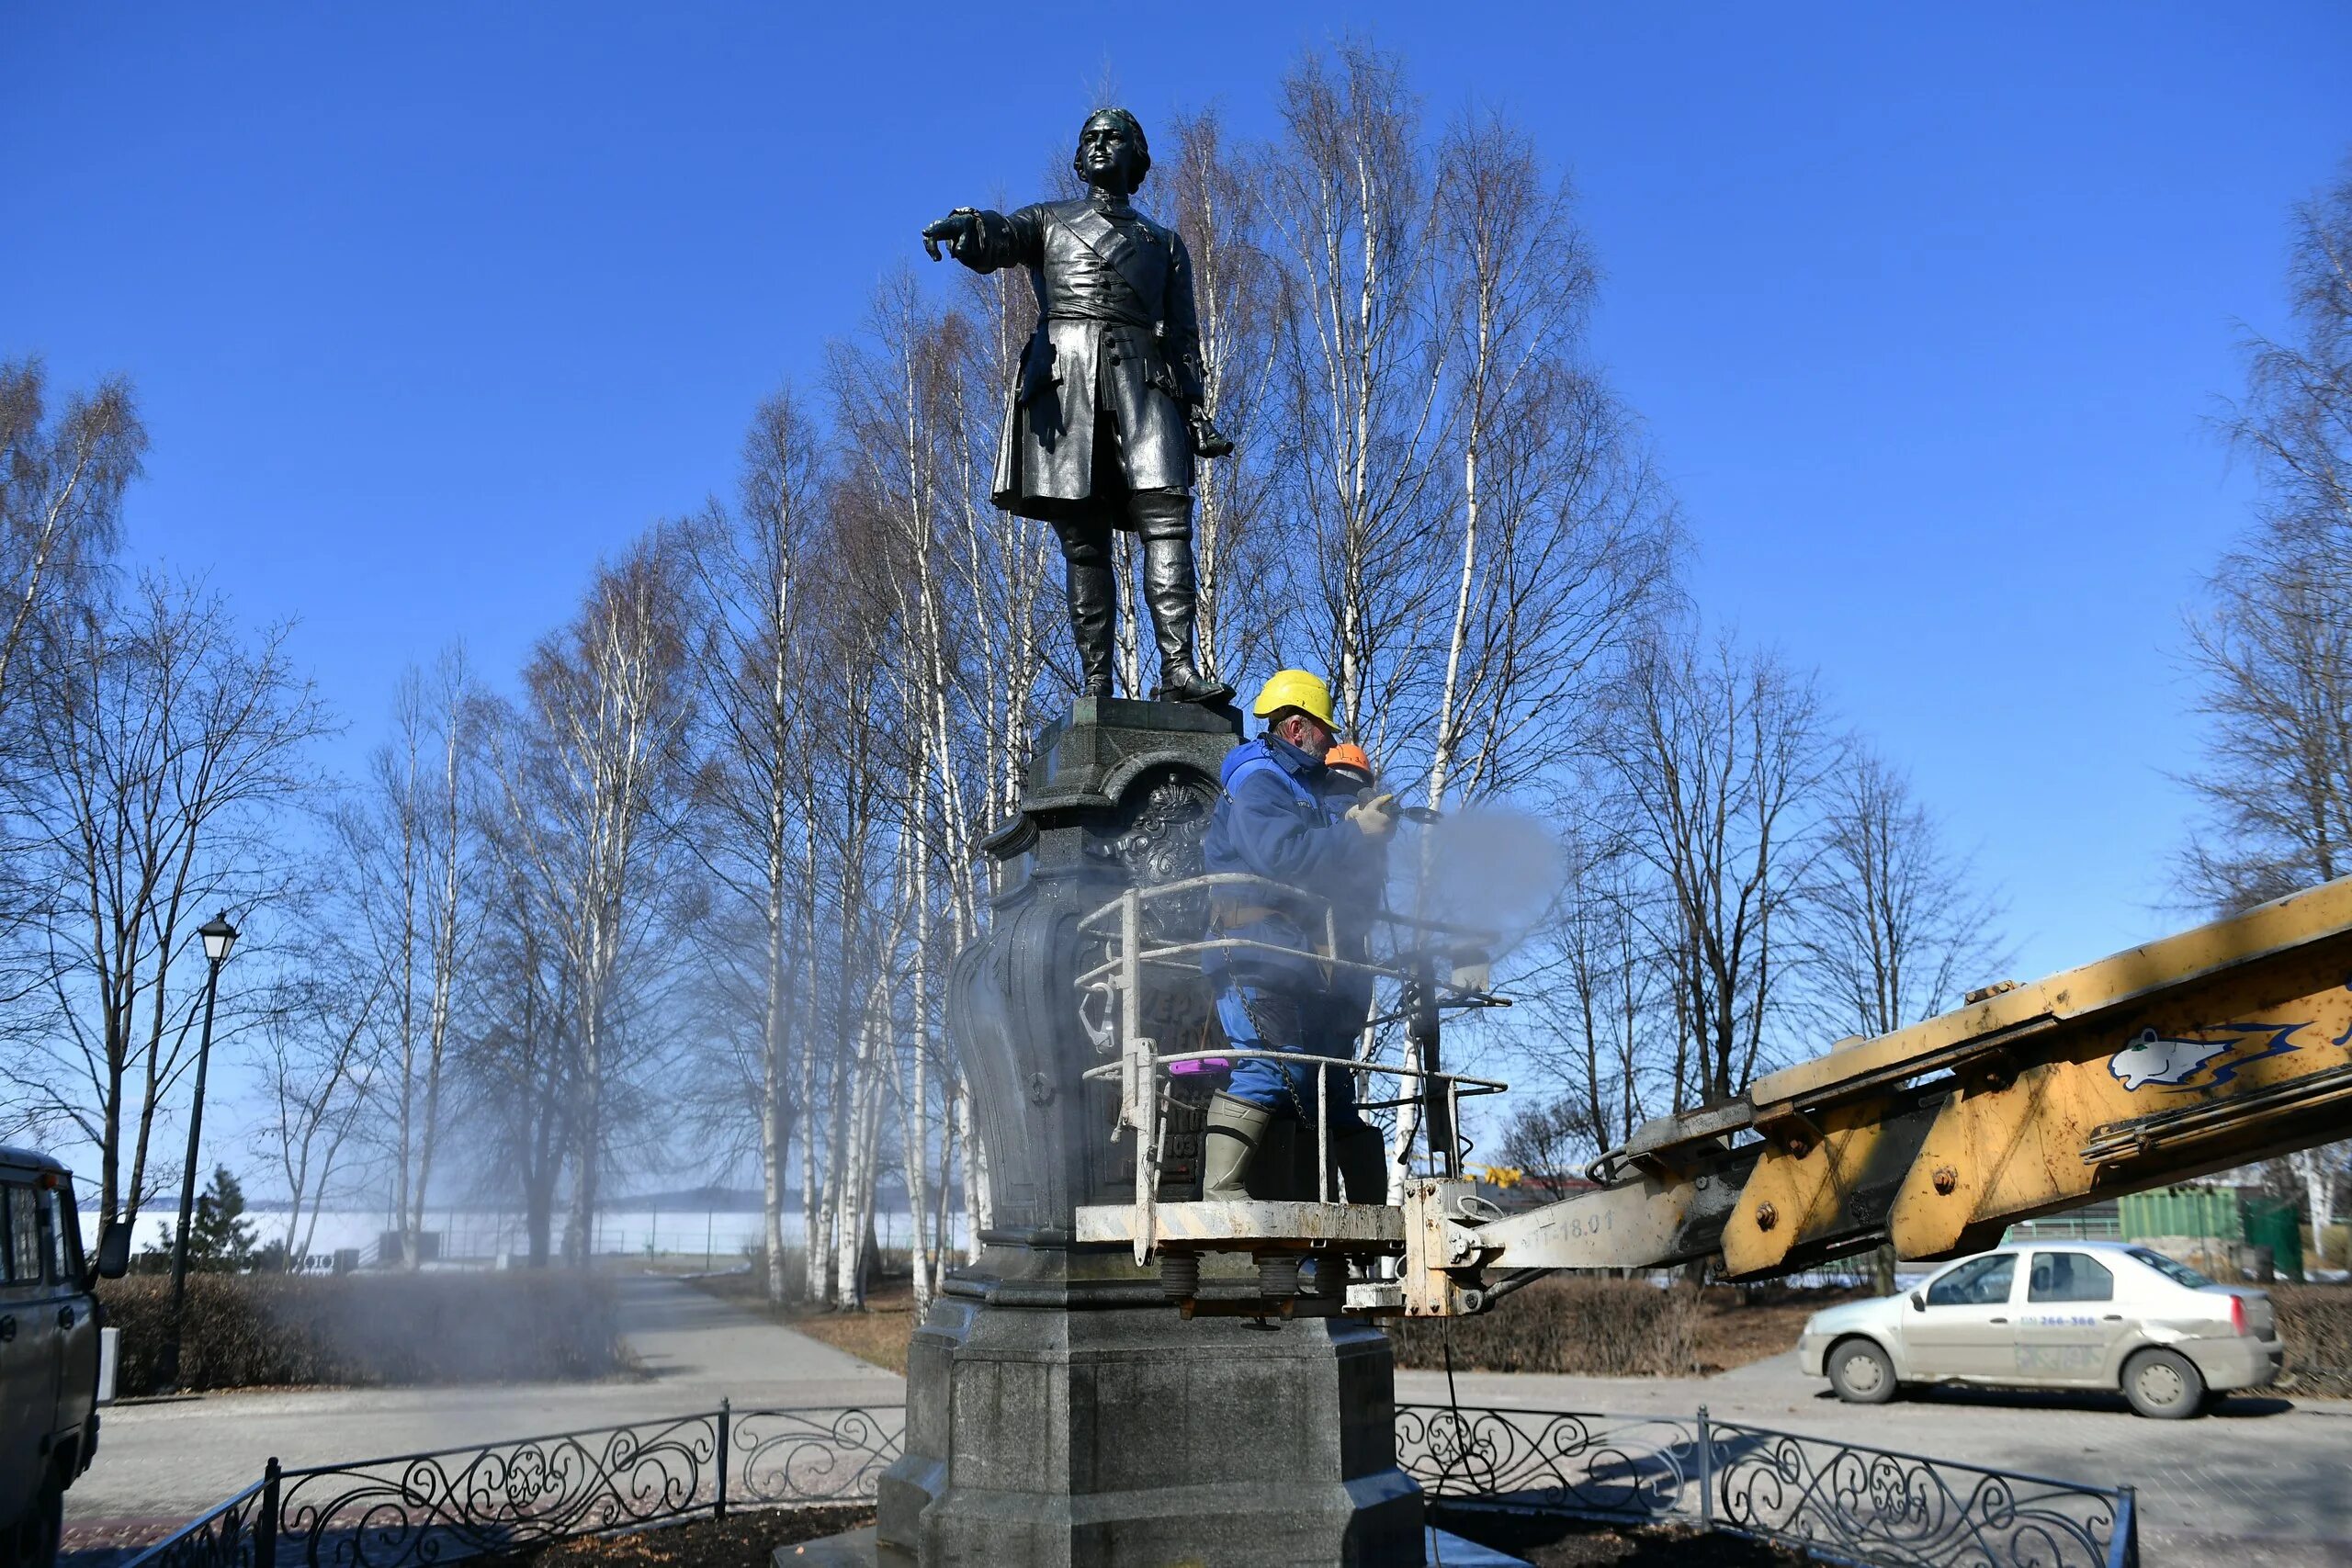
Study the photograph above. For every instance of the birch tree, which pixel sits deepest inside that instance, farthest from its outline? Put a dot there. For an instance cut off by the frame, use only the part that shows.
(592, 769)
(952, 620)
(62, 475)
(519, 1054)
(1561, 541)
(748, 574)
(412, 839)
(860, 759)
(1214, 197)
(1363, 369)
(62, 483)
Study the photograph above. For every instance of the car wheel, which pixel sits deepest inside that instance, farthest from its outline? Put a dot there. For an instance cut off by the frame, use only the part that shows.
(1860, 1373)
(2165, 1385)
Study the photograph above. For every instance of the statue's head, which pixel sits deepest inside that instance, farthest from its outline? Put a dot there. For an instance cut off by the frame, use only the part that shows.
(1112, 151)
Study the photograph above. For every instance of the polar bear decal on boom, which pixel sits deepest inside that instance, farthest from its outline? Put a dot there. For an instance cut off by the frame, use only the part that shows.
(2173, 1060)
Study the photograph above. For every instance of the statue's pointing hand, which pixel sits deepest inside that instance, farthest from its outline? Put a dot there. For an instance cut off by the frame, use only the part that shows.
(957, 228)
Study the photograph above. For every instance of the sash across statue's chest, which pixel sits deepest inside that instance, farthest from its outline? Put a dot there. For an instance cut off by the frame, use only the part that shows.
(1097, 267)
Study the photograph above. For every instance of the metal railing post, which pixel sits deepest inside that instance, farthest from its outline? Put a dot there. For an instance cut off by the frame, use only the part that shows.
(1706, 1472)
(266, 1528)
(1323, 1131)
(1136, 1077)
(2123, 1552)
(1421, 1034)
(726, 1414)
(1138, 1082)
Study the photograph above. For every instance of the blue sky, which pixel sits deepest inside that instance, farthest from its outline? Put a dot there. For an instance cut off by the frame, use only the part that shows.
(1926, 308)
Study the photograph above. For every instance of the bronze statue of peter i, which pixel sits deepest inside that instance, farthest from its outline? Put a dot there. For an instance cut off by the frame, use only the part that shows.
(1106, 412)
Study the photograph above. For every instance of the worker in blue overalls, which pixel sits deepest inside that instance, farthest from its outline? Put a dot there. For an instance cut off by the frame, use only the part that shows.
(1277, 820)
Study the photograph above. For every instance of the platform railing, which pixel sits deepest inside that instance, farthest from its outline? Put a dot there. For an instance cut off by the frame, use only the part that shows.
(1141, 1070)
(1127, 908)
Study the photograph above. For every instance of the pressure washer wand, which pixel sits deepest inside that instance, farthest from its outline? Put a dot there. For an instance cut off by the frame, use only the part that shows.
(1420, 816)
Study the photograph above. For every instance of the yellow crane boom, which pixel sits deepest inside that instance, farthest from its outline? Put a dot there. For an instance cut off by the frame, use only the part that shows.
(2202, 1050)
(2223, 1045)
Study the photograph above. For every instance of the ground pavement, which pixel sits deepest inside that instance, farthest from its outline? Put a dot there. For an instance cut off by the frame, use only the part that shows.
(2267, 1482)
(171, 1460)
(2263, 1482)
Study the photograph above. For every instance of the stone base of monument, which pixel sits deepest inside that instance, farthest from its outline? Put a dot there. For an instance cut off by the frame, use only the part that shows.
(1059, 1411)
(1124, 1435)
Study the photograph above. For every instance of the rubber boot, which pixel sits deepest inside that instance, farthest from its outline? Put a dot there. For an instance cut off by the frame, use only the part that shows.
(1228, 1143)
(1164, 518)
(1090, 591)
(1361, 1155)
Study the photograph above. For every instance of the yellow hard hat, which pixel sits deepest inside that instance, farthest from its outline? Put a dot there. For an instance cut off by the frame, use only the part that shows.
(1300, 689)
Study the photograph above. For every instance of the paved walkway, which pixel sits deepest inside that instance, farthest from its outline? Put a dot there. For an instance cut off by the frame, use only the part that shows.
(2263, 1482)
(173, 1460)
(2261, 1485)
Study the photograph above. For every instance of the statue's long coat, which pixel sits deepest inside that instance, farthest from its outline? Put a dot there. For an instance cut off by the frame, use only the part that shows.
(1113, 362)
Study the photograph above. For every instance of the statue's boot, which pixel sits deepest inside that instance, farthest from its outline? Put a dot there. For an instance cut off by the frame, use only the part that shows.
(1164, 518)
(1092, 593)
(1230, 1142)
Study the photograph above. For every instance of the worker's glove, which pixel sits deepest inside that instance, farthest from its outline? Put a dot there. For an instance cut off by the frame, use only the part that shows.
(1376, 818)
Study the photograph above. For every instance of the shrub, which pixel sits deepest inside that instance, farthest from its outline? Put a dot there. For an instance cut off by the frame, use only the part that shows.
(247, 1330)
(1582, 1323)
(2316, 1323)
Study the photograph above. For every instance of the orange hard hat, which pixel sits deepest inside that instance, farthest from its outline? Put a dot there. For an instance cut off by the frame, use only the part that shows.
(1351, 759)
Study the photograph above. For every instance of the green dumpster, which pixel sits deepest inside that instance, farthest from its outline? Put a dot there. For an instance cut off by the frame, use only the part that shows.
(2277, 1223)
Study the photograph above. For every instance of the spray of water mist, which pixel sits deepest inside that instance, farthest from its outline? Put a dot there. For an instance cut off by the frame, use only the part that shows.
(1489, 867)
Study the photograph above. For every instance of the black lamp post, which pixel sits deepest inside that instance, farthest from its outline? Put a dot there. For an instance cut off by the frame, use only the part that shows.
(218, 937)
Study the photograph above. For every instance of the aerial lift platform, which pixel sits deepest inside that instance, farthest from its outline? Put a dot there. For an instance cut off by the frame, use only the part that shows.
(2205, 1050)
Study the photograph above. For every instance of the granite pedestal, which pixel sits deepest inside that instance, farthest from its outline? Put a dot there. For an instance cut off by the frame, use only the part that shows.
(1059, 1412)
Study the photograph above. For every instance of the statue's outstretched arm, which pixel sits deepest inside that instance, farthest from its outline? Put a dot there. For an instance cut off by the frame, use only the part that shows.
(985, 241)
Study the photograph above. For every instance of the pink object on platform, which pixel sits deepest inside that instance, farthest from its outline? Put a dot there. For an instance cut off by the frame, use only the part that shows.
(1213, 1064)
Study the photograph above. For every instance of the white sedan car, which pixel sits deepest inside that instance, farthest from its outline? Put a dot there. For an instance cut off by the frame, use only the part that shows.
(2054, 1314)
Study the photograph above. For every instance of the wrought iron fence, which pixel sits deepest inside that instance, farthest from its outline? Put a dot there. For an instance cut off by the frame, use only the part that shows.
(1834, 1500)
(1632, 1467)
(407, 1510)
